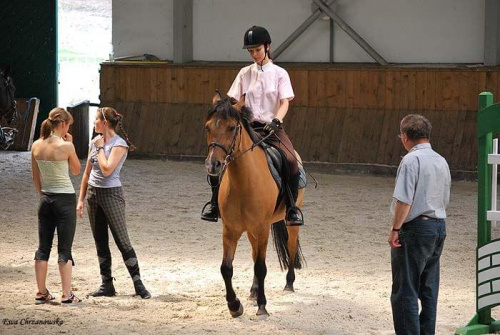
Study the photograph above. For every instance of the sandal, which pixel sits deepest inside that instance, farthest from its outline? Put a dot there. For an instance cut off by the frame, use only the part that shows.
(72, 300)
(42, 298)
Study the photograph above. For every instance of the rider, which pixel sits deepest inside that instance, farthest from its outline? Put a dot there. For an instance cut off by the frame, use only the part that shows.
(268, 91)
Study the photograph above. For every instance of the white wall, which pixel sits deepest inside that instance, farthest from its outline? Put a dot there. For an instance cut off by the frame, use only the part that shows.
(143, 27)
(402, 31)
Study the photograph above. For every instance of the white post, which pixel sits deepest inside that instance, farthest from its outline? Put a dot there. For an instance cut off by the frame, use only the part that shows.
(494, 170)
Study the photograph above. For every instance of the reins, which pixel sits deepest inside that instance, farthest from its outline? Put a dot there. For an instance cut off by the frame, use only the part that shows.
(229, 152)
(230, 158)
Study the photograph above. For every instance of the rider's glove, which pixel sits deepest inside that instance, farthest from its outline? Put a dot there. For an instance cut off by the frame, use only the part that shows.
(272, 126)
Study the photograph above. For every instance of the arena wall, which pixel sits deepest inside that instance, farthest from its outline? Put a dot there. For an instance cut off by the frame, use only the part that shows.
(342, 115)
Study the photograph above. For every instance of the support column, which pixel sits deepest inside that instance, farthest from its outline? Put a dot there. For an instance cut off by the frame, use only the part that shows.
(492, 33)
(353, 34)
(183, 31)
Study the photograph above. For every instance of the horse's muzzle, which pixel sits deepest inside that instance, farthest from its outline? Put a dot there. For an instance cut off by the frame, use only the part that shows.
(214, 167)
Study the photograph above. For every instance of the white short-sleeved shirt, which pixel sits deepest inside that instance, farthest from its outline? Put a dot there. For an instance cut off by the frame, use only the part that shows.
(264, 87)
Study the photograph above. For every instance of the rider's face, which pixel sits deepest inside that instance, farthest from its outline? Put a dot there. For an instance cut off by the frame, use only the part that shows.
(257, 53)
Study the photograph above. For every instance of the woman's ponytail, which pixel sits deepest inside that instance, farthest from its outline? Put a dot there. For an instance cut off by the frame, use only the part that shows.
(123, 134)
(56, 116)
(45, 129)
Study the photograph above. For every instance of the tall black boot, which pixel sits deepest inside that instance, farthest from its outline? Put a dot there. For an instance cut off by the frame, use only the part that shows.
(107, 289)
(130, 259)
(293, 213)
(210, 211)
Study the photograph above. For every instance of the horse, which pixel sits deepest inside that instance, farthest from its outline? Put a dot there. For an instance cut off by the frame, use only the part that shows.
(8, 104)
(247, 200)
(8, 109)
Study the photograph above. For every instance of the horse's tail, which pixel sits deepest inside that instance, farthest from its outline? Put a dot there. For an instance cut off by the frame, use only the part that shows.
(280, 237)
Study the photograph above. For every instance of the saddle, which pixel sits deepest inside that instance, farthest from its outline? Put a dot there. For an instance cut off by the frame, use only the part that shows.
(276, 161)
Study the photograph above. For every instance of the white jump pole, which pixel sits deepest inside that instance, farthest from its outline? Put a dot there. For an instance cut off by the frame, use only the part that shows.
(494, 170)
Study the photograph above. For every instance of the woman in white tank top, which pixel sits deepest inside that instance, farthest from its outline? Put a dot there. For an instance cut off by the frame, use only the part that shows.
(51, 157)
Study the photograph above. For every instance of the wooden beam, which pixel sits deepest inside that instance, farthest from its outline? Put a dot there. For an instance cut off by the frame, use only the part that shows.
(183, 31)
(492, 33)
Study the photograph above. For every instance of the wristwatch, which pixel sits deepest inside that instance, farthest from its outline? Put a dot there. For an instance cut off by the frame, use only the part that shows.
(99, 148)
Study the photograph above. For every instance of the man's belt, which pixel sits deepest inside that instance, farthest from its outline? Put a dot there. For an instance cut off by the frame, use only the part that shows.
(426, 218)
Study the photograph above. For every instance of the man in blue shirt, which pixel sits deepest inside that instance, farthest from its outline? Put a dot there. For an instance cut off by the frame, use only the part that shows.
(421, 194)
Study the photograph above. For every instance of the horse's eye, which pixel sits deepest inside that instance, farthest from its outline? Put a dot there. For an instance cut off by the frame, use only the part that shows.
(207, 128)
(231, 128)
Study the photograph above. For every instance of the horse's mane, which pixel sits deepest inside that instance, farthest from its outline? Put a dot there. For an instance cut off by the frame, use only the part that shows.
(224, 109)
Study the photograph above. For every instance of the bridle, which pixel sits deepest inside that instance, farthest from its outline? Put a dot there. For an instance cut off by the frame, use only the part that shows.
(229, 151)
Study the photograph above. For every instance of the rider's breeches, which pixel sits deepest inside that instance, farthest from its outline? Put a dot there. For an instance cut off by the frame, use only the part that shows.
(106, 208)
(56, 211)
(287, 147)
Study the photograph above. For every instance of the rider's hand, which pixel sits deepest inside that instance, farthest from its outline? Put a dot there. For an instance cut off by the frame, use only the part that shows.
(272, 126)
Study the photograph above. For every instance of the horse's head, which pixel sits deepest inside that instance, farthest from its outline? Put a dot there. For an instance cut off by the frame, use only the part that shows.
(223, 125)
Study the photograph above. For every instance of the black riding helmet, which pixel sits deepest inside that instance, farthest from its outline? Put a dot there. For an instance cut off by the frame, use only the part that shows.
(256, 36)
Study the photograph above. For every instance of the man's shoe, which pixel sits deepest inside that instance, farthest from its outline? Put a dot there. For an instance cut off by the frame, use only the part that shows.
(210, 212)
(107, 289)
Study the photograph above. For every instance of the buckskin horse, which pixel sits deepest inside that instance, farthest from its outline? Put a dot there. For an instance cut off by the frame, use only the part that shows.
(247, 200)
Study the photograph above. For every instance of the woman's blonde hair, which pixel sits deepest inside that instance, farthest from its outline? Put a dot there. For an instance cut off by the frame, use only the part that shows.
(56, 116)
(115, 120)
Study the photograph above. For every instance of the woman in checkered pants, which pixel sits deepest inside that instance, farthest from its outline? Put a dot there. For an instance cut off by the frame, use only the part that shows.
(106, 204)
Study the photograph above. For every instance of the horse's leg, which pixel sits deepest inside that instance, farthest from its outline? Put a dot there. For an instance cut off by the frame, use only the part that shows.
(292, 244)
(230, 240)
(255, 283)
(260, 269)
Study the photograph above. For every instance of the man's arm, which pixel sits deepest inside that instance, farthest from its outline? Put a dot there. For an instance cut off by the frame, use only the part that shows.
(401, 211)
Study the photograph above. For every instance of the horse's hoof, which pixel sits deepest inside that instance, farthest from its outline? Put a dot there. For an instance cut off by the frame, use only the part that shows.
(288, 289)
(262, 312)
(237, 313)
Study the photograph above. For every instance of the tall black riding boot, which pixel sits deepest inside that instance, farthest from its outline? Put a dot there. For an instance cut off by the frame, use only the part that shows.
(130, 259)
(107, 289)
(210, 211)
(293, 213)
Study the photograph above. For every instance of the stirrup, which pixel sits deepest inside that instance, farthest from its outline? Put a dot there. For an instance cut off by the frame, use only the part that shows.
(207, 217)
(299, 213)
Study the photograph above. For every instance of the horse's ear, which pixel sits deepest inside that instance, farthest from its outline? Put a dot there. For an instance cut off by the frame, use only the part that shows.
(240, 103)
(217, 97)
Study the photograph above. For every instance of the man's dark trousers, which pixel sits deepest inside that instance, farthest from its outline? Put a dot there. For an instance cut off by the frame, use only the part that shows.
(415, 275)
